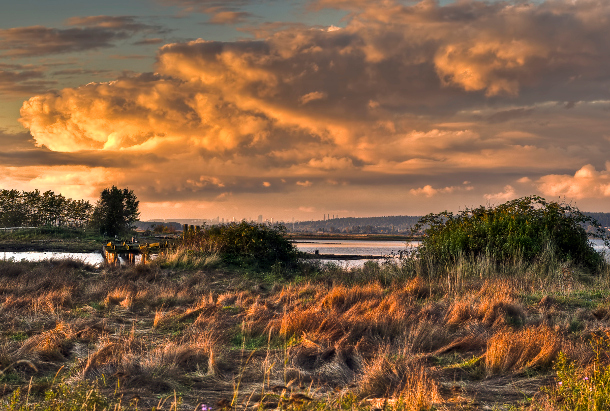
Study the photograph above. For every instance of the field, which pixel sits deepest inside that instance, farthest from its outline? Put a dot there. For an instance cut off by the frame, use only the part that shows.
(387, 336)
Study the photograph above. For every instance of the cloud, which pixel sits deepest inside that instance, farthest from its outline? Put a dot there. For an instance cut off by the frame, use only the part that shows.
(228, 17)
(39, 40)
(267, 29)
(221, 12)
(420, 93)
(122, 23)
(430, 191)
(149, 41)
(23, 80)
(585, 183)
(15, 140)
(94, 32)
(81, 72)
(508, 115)
(508, 193)
(314, 95)
(203, 5)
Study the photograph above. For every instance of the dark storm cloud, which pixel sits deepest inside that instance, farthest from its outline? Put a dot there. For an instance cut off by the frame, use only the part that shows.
(228, 12)
(94, 32)
(507, 115)
(203, 5)
(148, 42)
(81, 72)
(121, 23)
(23, 81)
(16, 140)
(42, 156)
(39, 40)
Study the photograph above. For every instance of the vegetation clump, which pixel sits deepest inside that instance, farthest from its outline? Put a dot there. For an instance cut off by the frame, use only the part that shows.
(244, 244)
(526, 228)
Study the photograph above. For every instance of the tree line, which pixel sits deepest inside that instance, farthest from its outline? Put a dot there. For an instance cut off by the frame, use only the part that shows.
(36, 209)
(115, 212)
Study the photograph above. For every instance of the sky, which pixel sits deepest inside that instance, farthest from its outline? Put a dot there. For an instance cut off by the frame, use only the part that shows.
(300, 108)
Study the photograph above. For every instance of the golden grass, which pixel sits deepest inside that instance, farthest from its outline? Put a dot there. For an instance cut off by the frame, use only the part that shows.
(407, 342)
(402, 377)
(49, 345)
(515, 350)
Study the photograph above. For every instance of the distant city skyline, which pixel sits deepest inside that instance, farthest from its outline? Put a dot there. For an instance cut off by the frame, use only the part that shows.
(307, 108)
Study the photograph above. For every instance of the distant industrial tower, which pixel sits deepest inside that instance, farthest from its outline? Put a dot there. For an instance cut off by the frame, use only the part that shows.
(260, 219)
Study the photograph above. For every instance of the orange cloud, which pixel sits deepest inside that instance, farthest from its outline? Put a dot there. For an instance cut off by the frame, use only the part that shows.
(585, 183)
(508, 194)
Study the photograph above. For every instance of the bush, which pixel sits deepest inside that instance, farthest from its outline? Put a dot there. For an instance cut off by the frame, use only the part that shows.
(254, 245)
(525, 228)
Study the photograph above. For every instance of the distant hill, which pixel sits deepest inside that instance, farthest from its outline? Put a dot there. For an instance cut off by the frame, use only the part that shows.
(356, 225)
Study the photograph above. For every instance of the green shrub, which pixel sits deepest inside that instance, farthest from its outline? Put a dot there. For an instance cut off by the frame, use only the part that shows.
(526, 228)
(244, 244)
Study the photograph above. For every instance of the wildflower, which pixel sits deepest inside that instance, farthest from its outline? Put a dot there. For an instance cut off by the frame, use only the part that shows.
(205, 407)
(559, 383)
(586, 378)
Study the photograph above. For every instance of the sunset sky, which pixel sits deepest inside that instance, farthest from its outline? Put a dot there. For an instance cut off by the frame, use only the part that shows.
(299, 108)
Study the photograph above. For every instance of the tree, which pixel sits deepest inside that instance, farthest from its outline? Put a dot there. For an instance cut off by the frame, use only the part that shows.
(116, 211)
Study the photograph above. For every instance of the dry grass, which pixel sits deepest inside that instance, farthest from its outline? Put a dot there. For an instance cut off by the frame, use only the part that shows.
(530, 347)
(215, 336)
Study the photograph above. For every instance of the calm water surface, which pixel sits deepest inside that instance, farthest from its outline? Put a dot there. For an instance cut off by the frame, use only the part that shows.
(345, 247)
(353, 247)
(87, 258)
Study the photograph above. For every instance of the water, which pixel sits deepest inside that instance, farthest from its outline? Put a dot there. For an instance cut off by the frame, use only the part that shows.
(357, 247)
(94, 259)
(339, 247)
(600, 247)
(353, 247)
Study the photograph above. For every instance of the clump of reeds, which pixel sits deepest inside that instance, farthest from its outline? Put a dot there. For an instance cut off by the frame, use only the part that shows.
(184, 258)
(399, 375)
(529, 347)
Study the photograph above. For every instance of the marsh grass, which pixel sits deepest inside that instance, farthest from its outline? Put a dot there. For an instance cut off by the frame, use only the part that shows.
(186, 259)
(384, 336)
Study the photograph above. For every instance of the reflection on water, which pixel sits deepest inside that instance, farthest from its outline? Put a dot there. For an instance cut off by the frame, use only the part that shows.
(94, 259)
(354, 247)
(127, 258)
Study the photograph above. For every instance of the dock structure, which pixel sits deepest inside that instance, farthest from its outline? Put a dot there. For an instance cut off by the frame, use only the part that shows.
(136, 248)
